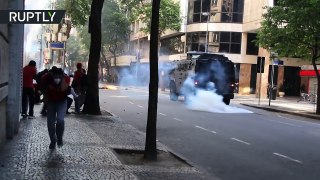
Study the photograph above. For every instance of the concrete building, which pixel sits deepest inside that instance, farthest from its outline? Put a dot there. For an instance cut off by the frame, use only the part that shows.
(11, 60)
(226, 27)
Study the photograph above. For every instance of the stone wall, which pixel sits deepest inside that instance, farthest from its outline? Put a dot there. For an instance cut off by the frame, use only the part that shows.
(11, 58)
(4, 60)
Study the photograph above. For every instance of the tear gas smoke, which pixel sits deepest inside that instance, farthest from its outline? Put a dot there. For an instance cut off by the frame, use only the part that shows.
(206, 99)
(138, 74)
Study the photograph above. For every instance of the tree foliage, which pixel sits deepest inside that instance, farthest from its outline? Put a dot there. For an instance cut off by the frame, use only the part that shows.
(292, 28)
(169, 14)
(78, 9)
(116, 27)
(76, 52)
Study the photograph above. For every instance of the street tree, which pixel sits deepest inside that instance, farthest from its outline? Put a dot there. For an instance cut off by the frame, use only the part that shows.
(116, 31)
(92, 105)
(76, 52)
(80, 11)
(169, 14)
(150, 152)
(291, 29)
(158, 17)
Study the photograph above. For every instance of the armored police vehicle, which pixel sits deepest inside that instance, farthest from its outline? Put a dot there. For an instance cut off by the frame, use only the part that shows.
(207, 71)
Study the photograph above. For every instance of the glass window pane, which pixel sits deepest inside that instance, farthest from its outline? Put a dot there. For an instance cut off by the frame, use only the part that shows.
(197, 6)
(237, 17)
(202, 47)
(205, 5)
(194, 47)
(204, 18)
(236, 37)
(225, 37)
(225, 17)
(235, 48)
(196, 17)
(195, 37)
(252, 48)
(224, 48)
(238, 6)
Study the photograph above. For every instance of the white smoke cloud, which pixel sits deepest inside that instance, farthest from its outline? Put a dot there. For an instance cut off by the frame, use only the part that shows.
(206, 99)
(209, 101)
(32, 30)
(139, 74)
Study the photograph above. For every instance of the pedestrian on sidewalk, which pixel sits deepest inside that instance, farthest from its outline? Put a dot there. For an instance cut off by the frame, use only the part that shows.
(57, 88)
(29, 73)
(79, 84)
(41, 89)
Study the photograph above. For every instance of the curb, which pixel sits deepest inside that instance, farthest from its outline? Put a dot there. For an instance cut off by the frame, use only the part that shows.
(284, 111)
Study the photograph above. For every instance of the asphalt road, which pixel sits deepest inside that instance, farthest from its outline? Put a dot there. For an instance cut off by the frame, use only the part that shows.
(256, 146)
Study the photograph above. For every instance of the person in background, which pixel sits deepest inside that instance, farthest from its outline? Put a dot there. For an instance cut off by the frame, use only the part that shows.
(78, 85)
(56, 87)
(29, 73)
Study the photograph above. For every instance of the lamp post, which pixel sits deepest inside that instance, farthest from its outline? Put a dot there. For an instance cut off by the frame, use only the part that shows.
(40, 49)
(208, 18)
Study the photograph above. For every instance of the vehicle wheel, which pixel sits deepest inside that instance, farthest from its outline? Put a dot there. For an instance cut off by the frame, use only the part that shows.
(226, 101)
(173, 92)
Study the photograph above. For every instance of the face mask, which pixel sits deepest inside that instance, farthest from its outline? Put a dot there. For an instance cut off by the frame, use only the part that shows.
(57, 80)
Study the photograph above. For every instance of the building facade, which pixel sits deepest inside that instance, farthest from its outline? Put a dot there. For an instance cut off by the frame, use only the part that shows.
(226, 27)
(11, 60)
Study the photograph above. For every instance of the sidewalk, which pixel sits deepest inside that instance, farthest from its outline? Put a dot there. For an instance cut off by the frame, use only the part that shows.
(88, 152)
(288, 105)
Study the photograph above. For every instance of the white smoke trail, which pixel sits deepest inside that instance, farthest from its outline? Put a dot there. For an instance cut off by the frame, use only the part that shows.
(139, 74)
(206, 99)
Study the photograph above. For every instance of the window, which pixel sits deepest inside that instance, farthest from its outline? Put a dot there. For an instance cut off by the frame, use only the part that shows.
(171, 46)
(221, 10)
(252, 48)
(223, 42)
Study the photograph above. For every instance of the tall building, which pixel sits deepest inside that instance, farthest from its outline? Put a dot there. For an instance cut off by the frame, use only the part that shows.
(226, 27)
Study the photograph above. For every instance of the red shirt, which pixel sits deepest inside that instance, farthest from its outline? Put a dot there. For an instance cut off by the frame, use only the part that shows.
(29, 73)
(77, 77)
(56, 93)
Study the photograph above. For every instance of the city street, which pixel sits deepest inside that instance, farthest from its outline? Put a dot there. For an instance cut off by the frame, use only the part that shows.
(258, 145)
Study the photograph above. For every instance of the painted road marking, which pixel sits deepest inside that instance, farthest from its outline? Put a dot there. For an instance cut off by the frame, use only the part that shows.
(177, 119)
(213, 132)
(140, 106)
(287, 157)
(131, 102)
(162, 114)
(238, 140)
(114, 96)
(301, 121)
(289, 124)
(202, 128)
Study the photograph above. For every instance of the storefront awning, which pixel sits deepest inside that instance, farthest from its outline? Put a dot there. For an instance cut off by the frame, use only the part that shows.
(308, 73)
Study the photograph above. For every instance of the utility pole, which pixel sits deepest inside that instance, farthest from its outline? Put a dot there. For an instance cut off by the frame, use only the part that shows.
(208, 18)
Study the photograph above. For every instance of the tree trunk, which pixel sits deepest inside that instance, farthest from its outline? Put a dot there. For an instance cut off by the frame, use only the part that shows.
(92, 105)
(318, 83)
(151, 132)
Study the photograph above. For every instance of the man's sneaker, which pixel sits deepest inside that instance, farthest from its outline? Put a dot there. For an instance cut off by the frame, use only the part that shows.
(24, 115)
(52, 145)
(31, 117)
(60, 143)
